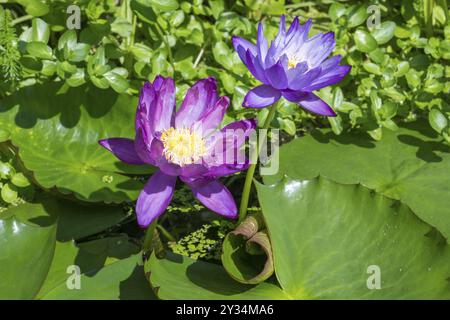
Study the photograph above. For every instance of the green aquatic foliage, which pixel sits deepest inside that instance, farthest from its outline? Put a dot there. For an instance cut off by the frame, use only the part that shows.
(9, 55)
(357, 196)
(204, 243)
(313, 263)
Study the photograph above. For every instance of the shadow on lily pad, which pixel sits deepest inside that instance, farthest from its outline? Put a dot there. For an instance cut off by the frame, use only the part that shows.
(47, 100)
(217, 280)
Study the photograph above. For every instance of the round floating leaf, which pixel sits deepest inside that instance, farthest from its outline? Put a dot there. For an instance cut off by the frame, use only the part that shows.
(68, 39)
(39, 50)
(117, 82)
(178, 278)
(19, 180)
(35, 8)
(27, 243)
(29, 261)
(9, 193)
(143, 11)
(57, 129)
(6, 170)
(313, 225)
(410, 165)
(437, 120)
(333, 241)
(123, 279)
(108, 269)
(162, 5)
(357, 16)
(76, 221)
(4, 135)
(336, 10)
(384, 32)
(364, 41)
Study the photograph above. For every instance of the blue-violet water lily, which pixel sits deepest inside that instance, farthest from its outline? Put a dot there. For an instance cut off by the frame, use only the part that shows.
(181, 144)
(293, 66)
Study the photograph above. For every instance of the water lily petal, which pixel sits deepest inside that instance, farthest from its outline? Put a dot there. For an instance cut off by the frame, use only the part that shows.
(225, 146)
(310, 102)
(154, 198)
(255, 67)
(226, 170)
(157, 83)
(292, 29)
(199, 100)
(246, 126)
(329, 64)
(142, 143)
(241, 46)
(299, 81)
(320, 49)
(261, 44)
(147, 99)
(123, 149)
(214, 117)
(277, 76)
(193, 170)
(278, 43)
(295, 40)
(216, 197)
(155, 153)
(261, 96)
(294, 74)
(162, 111)
(329, 78)
(195, 181)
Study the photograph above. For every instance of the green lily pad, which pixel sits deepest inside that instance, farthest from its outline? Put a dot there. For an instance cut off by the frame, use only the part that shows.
(410, 165)
(108, 269)
(178, 278)
(76, 221)
(332, 241)
(27, 243)
(57, 129)
(38, 247)
(329, 241)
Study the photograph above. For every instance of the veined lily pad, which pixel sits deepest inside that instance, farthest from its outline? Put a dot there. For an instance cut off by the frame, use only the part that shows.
(108, 269)
(178, 278)
(409, 165)
(329, 240)
(313, 225)
(38, 254)
(56, 130)
(27, 243)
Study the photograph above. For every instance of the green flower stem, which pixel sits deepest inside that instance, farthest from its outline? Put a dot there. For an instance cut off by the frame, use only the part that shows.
(251, 170)
(166, 233)
(428, 16)
(22, 19)
(147, 246)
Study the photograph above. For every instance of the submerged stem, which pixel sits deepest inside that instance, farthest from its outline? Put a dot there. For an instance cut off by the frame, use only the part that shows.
(251, 170)
(148, 240)
(166, 233)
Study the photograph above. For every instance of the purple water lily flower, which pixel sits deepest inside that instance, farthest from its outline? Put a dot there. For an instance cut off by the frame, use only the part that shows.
(185, 145)
(293, 67)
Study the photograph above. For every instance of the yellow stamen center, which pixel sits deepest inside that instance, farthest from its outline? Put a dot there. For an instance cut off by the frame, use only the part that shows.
(182, 146)
(292, 62)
